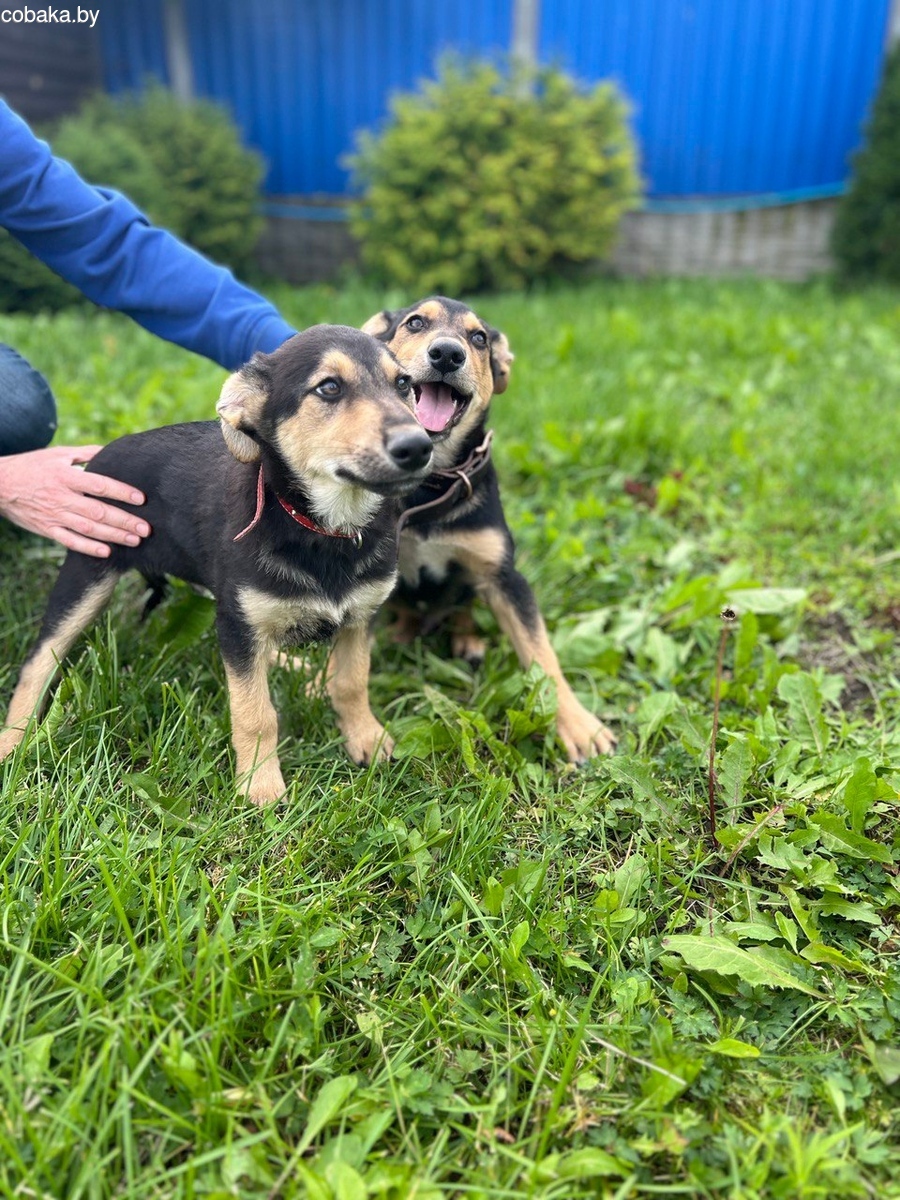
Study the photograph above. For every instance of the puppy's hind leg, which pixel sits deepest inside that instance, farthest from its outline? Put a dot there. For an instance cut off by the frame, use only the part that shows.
(81, 592)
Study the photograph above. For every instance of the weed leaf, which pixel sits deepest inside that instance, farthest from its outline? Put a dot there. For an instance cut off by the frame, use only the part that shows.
(734, 770)
(839, 837)
(860, 792)
(332, 1097)
(588, 1163)
(345, 1182)
(884, 1058)
(818, 952)
(721, 956)
(635, 776)
(187, 619)
(766, 601)
(733, 1048)
(653, 713)
(801, 694)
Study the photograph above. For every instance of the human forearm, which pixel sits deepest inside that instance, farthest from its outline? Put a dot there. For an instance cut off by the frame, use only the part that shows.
(102, 244)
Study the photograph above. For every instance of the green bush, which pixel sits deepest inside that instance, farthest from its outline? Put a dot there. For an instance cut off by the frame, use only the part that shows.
(109, 154)
(212, 179)
(866, 239)
(26, 285)
(106, 155)
(181, 164)
(485, 181)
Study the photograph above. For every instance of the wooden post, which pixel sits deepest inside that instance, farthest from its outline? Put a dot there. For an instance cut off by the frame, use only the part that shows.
(893, 25)
(525, 33)
(178, 52)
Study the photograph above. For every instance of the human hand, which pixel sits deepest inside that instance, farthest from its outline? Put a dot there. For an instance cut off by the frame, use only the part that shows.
(47, 492)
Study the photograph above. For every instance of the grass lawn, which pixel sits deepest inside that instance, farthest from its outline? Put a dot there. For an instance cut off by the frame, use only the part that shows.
(471, 972)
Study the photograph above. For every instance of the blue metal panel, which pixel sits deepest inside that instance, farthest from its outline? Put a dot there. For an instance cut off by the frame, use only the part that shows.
(728, 96)
(302, 76)
(133, 44)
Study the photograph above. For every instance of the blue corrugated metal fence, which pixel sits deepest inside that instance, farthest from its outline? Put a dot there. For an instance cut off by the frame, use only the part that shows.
(728, 96)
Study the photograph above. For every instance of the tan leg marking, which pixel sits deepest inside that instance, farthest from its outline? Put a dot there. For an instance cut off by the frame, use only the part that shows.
(347, 681)
(254, 733)
(481, 553)
(40, 670)
(580, 732)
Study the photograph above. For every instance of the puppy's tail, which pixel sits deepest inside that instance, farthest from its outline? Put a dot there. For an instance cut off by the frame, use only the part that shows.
(159, 587)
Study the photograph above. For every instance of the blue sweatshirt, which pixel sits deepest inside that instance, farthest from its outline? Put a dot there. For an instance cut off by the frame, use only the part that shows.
(99, 241)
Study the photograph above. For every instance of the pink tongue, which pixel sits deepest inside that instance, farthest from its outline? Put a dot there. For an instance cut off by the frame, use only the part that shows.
(434, 408)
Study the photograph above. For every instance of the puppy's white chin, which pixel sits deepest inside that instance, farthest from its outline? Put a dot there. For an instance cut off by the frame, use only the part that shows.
(339, 505)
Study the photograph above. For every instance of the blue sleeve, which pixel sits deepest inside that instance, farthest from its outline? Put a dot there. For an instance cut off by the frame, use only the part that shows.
(99, 241)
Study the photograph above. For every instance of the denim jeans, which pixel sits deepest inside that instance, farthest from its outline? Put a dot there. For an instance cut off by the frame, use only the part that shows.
(27, 407)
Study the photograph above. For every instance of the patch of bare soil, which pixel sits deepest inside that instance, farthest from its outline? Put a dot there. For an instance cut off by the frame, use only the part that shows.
(829, 644)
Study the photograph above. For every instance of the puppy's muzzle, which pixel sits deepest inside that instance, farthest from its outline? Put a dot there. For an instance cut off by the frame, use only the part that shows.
(409, 450)
(446, 355)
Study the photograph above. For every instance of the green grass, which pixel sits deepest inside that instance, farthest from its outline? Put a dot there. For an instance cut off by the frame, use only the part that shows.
(471, 972)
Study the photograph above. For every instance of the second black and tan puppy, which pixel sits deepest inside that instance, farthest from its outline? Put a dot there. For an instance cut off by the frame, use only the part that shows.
(289, 519)
(455, 542)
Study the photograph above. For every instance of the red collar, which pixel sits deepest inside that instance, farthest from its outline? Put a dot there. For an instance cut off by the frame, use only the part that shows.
(356, 537)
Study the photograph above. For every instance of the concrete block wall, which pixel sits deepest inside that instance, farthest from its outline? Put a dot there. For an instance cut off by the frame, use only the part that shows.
(785, 242)
(303, 249)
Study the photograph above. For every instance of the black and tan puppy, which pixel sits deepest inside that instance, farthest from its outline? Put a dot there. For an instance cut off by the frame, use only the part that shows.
(290, 520)
(455, 542)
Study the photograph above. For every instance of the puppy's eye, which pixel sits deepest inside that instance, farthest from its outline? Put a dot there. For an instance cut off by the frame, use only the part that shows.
(479, 339)
(414, 324)
(404, 383)
(329, 389)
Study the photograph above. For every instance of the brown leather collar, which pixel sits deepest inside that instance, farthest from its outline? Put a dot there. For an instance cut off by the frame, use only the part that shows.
(461, 487)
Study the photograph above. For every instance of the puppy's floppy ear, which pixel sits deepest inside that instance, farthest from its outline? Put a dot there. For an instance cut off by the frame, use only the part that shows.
(240, 404)
(382, 326)
(501, 359)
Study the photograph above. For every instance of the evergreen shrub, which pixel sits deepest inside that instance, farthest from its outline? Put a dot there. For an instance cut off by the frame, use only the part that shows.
(866, 238)
(182, 164)
(488, 181)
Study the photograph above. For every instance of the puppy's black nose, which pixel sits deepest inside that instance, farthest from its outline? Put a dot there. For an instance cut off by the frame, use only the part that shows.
(410, 450)
(446, 355)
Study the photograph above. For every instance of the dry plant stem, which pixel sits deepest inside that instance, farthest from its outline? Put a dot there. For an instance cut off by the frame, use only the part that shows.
(712, 780)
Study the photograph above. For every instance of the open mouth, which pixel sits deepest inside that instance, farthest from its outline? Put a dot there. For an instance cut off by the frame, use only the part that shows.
(439, 406)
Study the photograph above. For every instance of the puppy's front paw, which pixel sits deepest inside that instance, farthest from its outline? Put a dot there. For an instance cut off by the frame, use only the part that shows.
(9, 739)
(265, 785)
(583, 735)
(368, 743)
